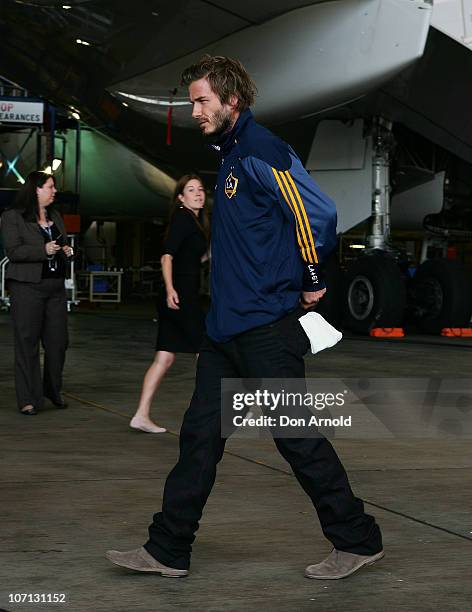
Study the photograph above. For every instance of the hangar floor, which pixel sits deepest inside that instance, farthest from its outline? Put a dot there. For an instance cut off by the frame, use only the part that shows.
(77, 482)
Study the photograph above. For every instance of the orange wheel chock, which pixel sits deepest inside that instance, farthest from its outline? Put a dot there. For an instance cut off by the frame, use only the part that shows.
(387, 332)
(457, 332)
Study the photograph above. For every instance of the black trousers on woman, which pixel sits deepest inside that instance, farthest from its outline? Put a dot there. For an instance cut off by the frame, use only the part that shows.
(271, 351)
(39, 314)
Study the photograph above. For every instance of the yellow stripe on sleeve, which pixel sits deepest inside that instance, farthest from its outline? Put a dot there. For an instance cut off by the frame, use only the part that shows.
(306, 250)
(302, 207)
(299, 240)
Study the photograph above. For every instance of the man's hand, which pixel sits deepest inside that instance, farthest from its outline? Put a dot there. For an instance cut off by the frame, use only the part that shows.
(311, 298)
(68, 251)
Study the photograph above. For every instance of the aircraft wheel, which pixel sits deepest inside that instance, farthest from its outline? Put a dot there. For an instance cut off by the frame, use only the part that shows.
(440, 295)
(375, 293)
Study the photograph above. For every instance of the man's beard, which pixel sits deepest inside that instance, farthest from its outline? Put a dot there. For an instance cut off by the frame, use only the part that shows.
(223, 123)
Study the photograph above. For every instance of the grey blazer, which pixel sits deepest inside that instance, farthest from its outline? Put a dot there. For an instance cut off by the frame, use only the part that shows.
(24, 245)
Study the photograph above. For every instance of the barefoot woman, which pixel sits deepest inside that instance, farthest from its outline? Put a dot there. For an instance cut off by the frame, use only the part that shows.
(181, 318)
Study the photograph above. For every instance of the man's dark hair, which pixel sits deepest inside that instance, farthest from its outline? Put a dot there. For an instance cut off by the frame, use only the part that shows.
(227, 77)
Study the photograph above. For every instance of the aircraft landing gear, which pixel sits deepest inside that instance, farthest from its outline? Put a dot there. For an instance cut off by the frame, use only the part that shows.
(375, 293)
(440, 295)
(375, 287)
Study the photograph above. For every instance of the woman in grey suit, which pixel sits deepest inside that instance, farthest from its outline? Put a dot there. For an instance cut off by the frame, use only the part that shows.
(35, 242)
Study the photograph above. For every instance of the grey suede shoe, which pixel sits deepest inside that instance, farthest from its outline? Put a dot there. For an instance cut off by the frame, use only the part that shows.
(141, 561)
(339, 564)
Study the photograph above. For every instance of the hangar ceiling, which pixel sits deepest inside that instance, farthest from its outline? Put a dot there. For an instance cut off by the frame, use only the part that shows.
(39, 51)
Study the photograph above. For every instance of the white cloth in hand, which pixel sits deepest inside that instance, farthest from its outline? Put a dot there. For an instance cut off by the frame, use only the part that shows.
(321, 334)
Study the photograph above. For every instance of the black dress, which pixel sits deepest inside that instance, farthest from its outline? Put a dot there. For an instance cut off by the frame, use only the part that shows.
(181, 331)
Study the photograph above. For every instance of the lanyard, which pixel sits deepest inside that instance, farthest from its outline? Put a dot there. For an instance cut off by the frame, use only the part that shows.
(51, 258)
(47, 229)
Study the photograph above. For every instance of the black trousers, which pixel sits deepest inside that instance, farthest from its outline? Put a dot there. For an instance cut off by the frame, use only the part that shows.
(272, 351)
(39, 314)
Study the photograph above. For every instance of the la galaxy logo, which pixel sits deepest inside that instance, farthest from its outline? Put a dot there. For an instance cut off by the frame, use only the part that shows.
(231, 184)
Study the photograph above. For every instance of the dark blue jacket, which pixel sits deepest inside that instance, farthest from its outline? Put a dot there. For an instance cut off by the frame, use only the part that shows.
(271, 229)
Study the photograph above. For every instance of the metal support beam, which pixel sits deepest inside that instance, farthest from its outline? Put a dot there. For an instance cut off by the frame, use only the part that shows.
(379, 225)
(77, 157)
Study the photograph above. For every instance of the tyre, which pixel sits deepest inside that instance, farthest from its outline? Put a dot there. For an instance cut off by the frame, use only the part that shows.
(440, 296)
(375, 293)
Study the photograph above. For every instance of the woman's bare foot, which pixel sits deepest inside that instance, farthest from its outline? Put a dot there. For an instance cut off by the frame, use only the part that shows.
(145, 425)
(28, 410)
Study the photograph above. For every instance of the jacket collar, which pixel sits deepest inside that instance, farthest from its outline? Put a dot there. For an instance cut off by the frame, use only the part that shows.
(52, 214)
(226, 142)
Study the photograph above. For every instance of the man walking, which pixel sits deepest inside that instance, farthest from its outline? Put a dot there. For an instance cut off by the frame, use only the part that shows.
(271, 229)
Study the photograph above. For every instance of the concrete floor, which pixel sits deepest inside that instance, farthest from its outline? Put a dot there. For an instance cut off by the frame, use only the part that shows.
(78, 482)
